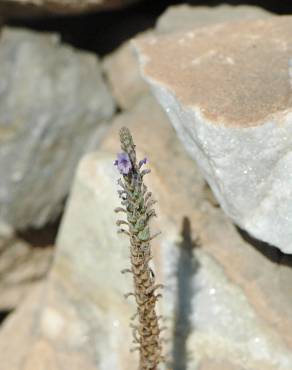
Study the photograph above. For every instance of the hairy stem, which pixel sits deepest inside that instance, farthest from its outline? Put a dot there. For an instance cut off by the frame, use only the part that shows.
(137, 203)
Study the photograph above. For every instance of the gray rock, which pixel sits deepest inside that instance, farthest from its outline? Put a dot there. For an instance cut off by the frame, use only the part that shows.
(52, 100)
(232, 110)
(184, 17)
(222, 312)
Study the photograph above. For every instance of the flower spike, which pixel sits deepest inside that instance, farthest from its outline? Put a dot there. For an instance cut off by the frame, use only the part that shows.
(137, 205)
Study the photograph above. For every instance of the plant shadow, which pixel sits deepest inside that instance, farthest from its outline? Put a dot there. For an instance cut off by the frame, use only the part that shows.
(187, 268)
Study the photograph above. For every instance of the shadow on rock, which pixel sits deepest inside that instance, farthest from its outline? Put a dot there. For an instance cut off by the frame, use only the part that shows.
(187, 267)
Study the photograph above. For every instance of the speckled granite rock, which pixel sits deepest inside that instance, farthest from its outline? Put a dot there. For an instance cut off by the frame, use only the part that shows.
(222, 310)
(52, 99)
(232, 111)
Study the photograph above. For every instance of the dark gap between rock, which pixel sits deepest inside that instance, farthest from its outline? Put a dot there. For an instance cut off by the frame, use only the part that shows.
(4, 314)
(269, 251)
(41, 237)
(103, 31)
(100, 31)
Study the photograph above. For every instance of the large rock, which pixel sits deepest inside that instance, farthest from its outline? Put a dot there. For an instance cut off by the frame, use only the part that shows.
(52, 99)
(232, 110)
(121, 67)
(184, 17)
(221, 310)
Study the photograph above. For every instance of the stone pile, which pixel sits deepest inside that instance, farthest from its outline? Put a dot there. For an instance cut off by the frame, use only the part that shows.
(227, 298)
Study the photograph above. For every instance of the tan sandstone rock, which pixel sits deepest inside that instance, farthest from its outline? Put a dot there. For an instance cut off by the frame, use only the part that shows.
(232, 109)
(121, 67)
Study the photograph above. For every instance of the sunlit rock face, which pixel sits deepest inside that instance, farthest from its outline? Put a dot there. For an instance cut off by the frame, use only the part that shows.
(121, 67)
(232, 110)
(52, 101)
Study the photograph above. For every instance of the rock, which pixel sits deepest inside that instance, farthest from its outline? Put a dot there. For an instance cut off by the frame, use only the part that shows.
(17, 334)
(52, 100)
(83, 322)
(22, 267)
(234, 315)
(87, 274)
(41, 7)
(122, 71)
(222, 311)
(184, 17)
(121, 67)
(86, 310)
(233, 115)
(23, 348)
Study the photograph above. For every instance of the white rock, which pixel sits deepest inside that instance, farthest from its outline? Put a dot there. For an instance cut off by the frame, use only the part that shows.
(233, 112)
(52, 99)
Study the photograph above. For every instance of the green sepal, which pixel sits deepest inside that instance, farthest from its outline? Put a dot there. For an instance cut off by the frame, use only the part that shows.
(144, 235)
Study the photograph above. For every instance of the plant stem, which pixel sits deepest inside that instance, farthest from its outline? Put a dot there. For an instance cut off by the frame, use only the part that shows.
(137, 204)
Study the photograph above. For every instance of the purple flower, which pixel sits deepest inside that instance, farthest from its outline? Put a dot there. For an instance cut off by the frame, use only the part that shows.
(143, 161)
(123, 163)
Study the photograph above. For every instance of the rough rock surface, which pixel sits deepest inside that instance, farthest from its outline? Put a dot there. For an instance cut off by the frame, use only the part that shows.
(221, 310)
(121, 67)
(184, 17)
(23, 348)
(52, 99)
(233, 111)
(122, 71)
(22, 267)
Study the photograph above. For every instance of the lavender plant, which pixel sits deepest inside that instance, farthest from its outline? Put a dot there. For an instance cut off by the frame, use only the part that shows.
(137, 204)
